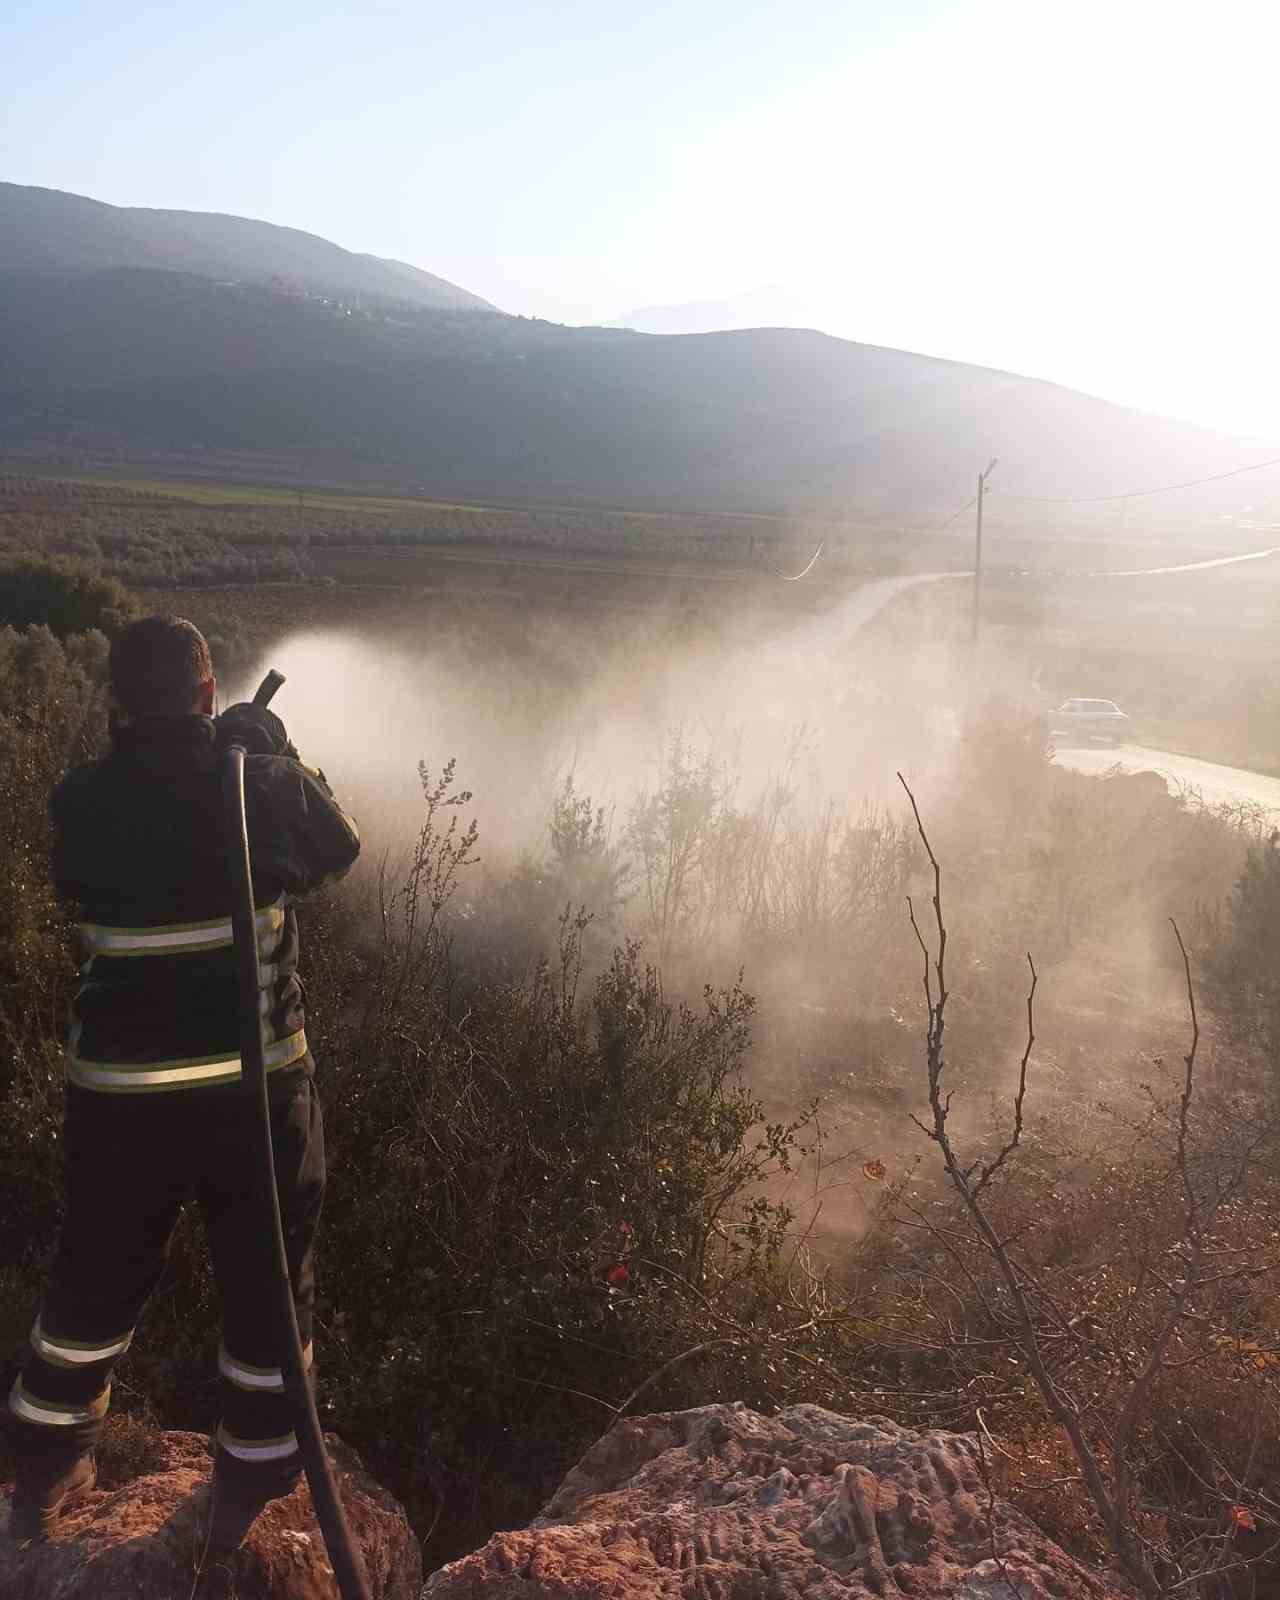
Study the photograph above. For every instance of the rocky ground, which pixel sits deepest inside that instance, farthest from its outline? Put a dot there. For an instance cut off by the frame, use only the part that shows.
(142, 1541)
(712, 1504)
(722, 1504)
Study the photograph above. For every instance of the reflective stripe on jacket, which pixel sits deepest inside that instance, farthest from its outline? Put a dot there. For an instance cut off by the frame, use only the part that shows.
(140, 845)
(174, 938)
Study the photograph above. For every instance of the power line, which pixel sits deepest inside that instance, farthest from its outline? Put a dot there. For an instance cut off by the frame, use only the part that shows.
(1048, 500)
(943, 526)
(1132, 494)
(967, 506)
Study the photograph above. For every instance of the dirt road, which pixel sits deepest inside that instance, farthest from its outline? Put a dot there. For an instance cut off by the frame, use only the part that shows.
(1217, 785)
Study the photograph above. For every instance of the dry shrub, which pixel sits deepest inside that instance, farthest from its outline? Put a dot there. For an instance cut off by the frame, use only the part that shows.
(130, 1448)
(1112, 1298)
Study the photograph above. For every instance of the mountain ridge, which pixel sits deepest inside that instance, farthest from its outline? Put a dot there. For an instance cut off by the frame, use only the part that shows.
(56, 231)
(462, 401)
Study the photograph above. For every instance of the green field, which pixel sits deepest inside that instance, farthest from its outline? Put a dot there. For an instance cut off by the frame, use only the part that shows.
(200, 491)
(1190, 655)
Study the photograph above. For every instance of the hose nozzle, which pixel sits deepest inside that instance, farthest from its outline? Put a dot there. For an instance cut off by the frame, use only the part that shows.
(266, 690)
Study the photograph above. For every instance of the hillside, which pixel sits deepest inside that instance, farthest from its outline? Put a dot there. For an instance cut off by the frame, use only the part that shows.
(143, 363)
(45, 231)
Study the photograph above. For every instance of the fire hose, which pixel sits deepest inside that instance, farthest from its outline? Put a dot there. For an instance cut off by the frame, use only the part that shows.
(348, 1568)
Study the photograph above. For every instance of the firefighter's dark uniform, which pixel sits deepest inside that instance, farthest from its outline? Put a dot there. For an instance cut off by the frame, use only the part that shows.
(153, 1115)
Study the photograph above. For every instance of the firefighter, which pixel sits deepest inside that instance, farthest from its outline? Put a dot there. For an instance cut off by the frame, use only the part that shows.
(153, 1115)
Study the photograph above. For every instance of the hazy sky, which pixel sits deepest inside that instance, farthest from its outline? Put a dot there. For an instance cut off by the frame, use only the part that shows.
(1083, 190)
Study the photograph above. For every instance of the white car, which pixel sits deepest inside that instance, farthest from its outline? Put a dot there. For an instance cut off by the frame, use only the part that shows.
(1097, 718)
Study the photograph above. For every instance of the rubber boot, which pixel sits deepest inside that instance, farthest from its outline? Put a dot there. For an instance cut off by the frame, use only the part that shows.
(237, 1499)
(43, 1493)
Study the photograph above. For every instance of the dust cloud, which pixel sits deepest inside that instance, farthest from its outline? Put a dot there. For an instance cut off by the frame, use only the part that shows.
(521, 704)
(805, 716)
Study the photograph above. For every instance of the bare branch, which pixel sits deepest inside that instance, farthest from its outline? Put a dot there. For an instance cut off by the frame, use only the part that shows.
(1113, 1509)
(685, 1355)
(990, 1169)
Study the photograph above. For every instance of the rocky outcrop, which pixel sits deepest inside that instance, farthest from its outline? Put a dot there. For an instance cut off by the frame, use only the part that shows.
(142, 1541)
(722, 1504)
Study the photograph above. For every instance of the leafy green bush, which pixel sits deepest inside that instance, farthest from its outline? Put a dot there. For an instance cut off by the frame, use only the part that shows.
(52, 711)
(63, 595)
(520, 1175)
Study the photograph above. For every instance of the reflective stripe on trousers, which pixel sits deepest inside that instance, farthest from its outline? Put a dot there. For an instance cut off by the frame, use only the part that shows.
(76, 1353)
(255, 1379)
(284, 1444)
(123, 1077)
(55, 1413)
(66, 1383)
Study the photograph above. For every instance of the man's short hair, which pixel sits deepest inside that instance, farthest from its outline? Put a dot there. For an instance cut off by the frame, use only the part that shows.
(158, 665)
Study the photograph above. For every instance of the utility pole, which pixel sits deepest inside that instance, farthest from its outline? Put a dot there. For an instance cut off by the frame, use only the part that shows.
(977, 559)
